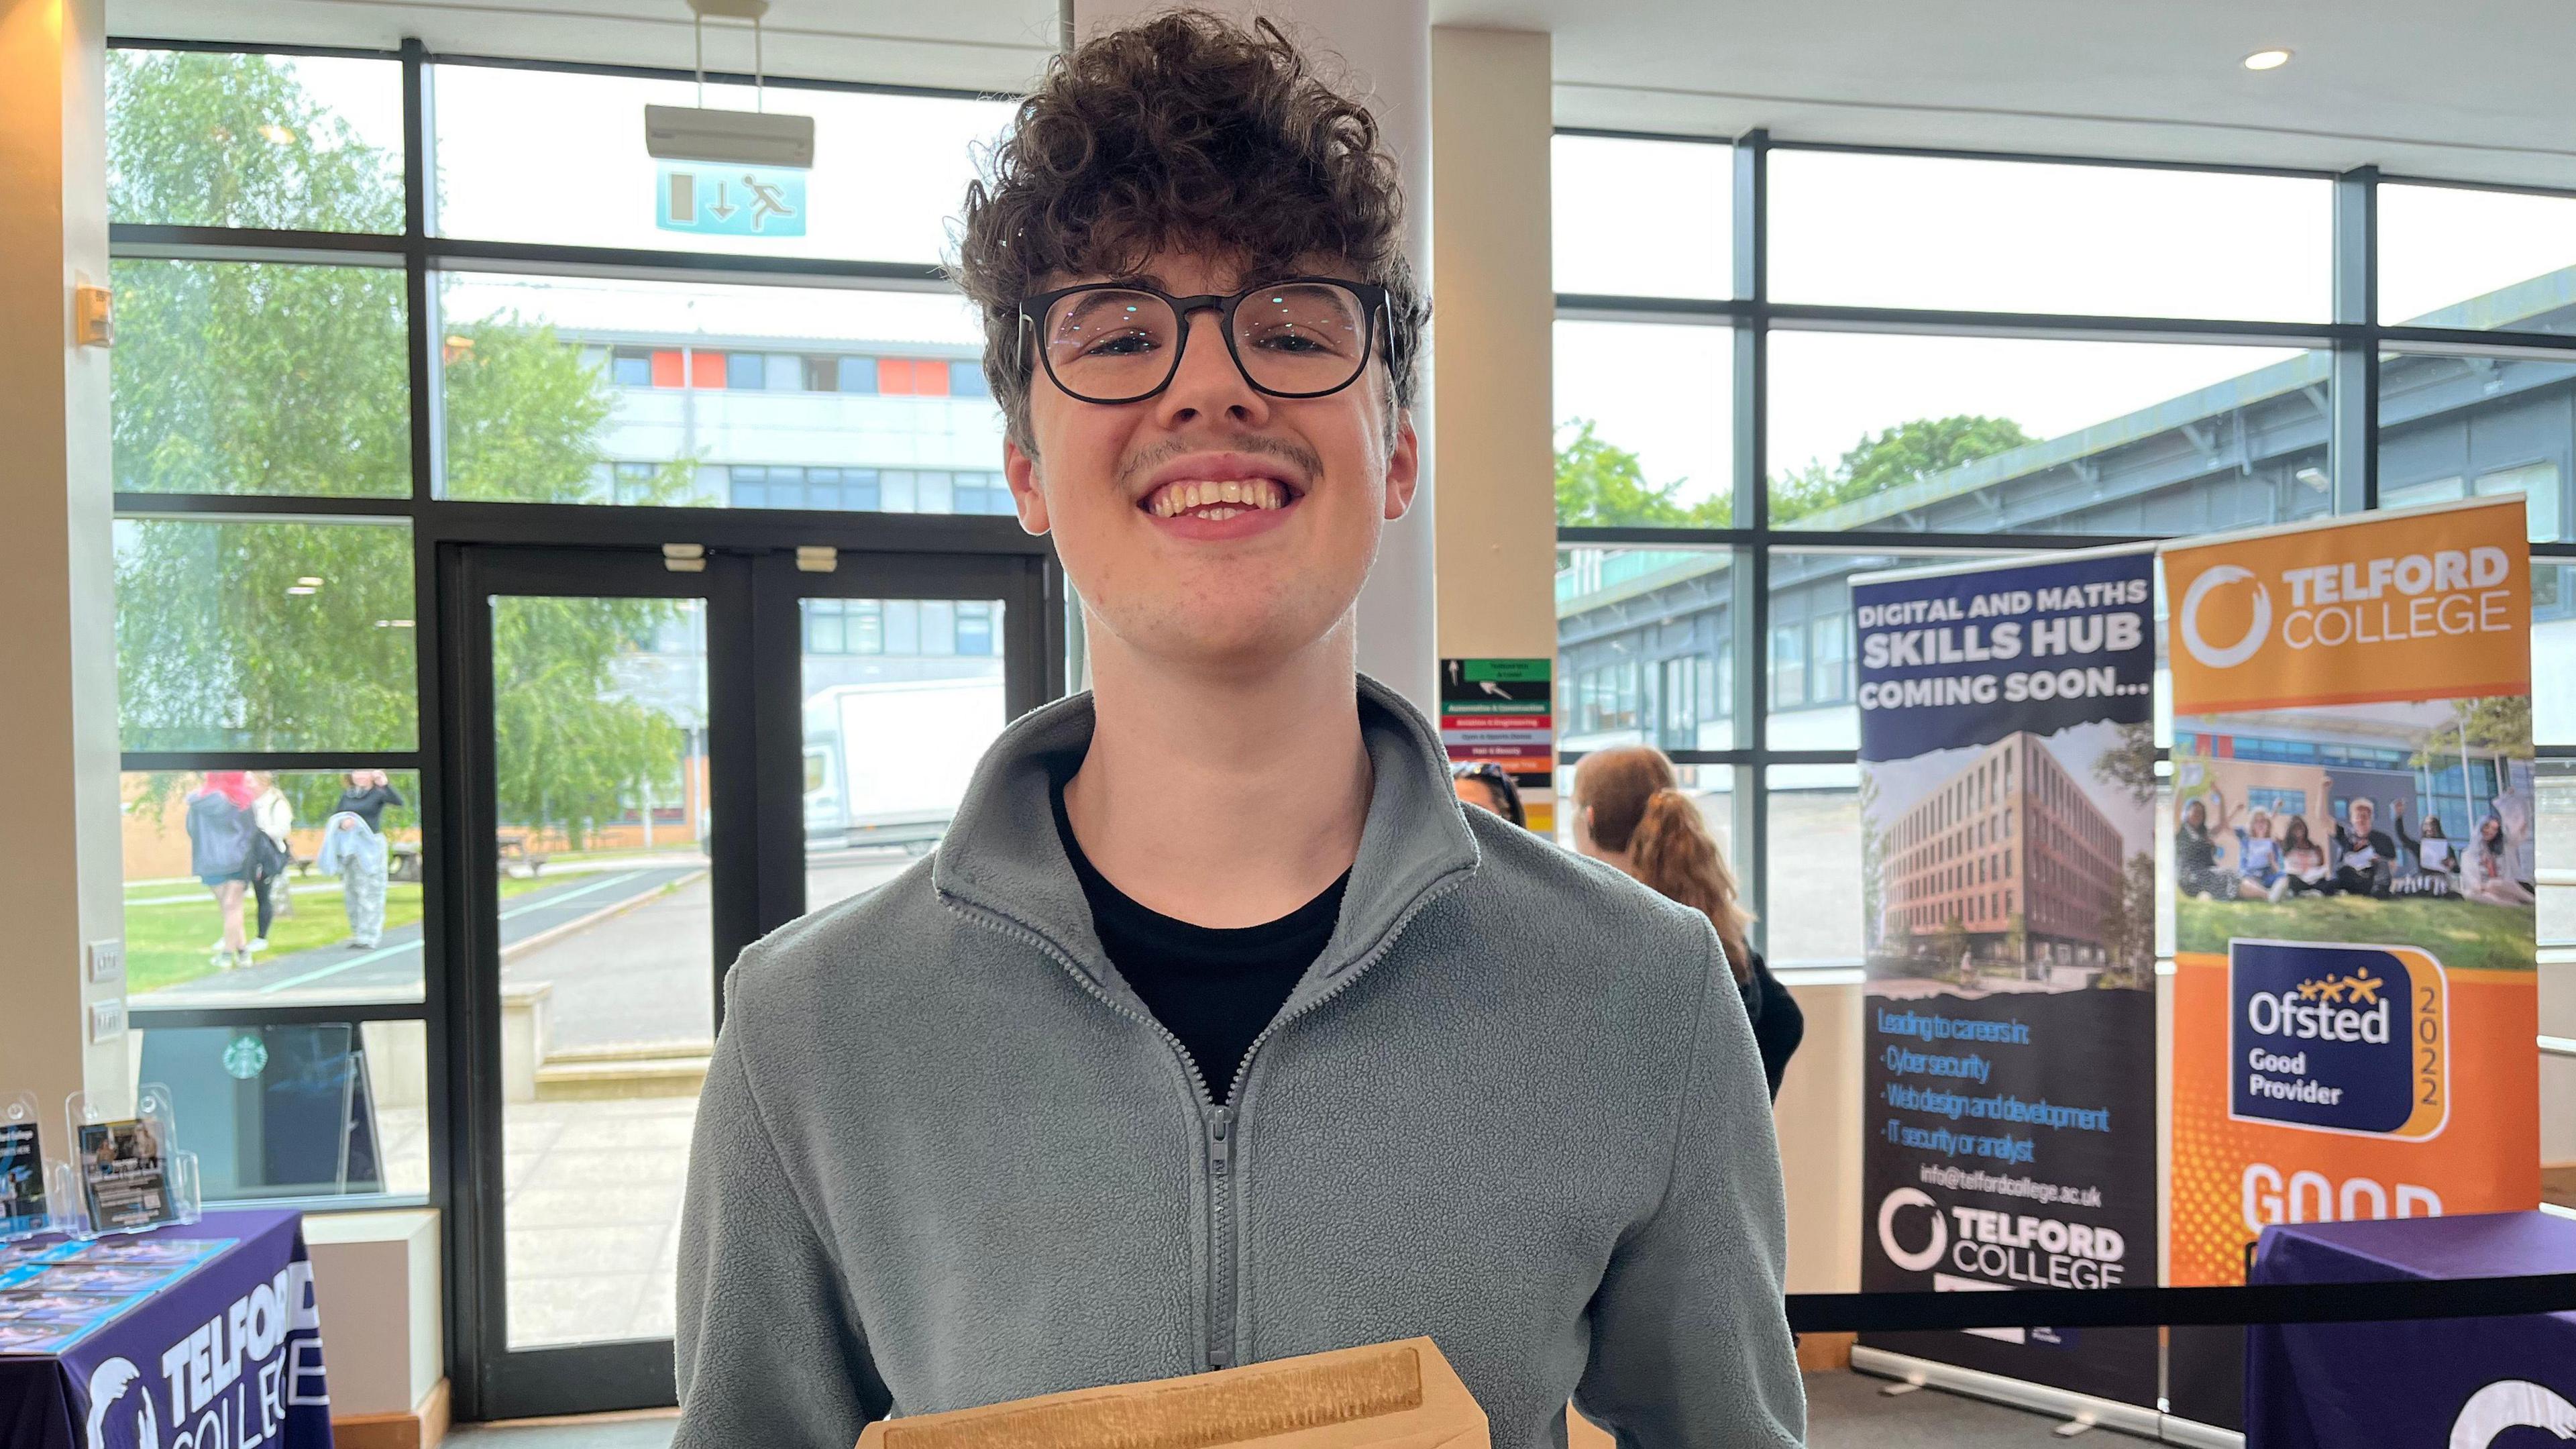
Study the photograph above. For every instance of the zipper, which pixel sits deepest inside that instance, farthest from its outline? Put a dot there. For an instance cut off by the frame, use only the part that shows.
(1219, 1123)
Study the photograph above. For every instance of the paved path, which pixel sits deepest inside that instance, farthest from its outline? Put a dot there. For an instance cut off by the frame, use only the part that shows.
(392, 970)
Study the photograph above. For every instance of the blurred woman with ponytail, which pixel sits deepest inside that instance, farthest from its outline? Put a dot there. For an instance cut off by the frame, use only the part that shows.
(1630, 812)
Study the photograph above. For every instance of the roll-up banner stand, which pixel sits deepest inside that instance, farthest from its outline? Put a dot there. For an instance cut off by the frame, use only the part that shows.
(2008, 792)
(2356, 990)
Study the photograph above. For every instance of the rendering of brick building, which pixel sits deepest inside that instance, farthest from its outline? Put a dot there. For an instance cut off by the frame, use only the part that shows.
(2010, 840)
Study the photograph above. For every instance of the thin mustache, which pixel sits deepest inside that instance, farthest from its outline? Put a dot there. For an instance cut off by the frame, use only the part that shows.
(1308, 463)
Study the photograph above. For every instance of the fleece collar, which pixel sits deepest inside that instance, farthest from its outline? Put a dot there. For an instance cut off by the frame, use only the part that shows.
(1002, 855)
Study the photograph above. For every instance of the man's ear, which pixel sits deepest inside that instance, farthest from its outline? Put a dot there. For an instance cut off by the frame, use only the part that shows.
(1403, 468)
(1027, 497)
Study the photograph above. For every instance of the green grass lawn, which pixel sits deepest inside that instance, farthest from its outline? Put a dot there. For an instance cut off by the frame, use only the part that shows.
(172, 943)
(2464, 935)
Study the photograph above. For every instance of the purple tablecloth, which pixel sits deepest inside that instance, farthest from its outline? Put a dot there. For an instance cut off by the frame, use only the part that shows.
(225, 1353)
(2446, 1383)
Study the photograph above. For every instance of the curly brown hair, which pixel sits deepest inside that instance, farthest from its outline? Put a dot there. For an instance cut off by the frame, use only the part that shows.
(1190, 131)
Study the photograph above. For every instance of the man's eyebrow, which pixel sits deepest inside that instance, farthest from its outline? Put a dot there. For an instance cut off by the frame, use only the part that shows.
(1086, 303)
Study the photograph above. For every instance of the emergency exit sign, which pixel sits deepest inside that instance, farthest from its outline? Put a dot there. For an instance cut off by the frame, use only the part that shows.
(720, 200)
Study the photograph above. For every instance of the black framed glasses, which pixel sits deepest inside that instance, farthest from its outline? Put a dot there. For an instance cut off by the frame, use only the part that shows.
(1121, 342)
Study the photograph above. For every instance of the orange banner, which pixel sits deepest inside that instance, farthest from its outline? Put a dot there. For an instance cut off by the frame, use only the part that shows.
(2433, 604)
(2355, 994)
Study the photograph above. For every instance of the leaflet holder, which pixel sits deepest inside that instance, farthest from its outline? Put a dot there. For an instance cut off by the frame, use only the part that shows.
(31, 1182)
(127, 1172)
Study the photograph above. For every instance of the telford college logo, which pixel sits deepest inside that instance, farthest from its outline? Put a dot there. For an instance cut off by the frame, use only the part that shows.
(2258, 630)
(2339, 1038)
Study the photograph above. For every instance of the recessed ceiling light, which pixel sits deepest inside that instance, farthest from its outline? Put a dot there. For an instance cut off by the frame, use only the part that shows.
(2267, 60)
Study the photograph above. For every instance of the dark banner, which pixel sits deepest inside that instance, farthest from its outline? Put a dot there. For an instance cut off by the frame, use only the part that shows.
(2008, 868)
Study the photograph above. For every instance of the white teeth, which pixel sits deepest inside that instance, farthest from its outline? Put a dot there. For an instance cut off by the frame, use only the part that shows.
(1223, 497)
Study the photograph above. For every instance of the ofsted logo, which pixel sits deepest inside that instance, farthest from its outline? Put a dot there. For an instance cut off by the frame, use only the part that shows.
(2338, 1038)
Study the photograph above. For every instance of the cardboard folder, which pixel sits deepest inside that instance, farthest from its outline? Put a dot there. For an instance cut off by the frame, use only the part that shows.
(1400, 1395)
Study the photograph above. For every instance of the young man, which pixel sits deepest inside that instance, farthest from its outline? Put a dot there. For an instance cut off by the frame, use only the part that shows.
(1215, 1031)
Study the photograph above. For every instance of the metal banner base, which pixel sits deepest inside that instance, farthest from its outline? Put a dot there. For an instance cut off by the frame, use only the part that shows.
(2069, 1408)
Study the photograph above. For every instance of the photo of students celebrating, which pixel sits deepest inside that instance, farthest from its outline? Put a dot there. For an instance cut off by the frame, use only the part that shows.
(2321, 817)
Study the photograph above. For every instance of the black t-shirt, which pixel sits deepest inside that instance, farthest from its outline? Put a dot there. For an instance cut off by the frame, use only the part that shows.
(369, 804)
(1213, 987)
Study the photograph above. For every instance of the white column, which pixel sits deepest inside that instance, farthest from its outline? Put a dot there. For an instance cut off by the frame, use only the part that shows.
(1385, 46)
(60, 858)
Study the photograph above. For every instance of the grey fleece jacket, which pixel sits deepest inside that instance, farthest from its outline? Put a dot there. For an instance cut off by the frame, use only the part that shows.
(945, 1157)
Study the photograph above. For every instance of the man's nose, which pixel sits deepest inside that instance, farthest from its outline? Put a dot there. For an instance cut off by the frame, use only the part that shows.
(1209, 384)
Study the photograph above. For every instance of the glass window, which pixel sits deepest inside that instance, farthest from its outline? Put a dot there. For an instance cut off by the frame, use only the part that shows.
(2019, 236)
(889, 747)
(2554, 782)
(1830, 636)
(899, 490)
(823, 633)
(966, 379)
(1788, 665)
(975, 627)
(938, 626)
(632, 366)
(527, 421)
(858, 374)
(1616, 606)
(1811, 663)
(237, 377)
(2006, 434)
(265, 636)
(300, 1109)
(305, 918)
(506, 135)
(2484, 260)
(1815, 867)
(1643, 419)
(1642, 218)
(903, 626)
(2459, 427)
(306, 143)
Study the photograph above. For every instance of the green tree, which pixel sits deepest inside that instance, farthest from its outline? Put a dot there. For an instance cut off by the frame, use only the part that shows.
(293, 379)
(2129, 925)
(2130, 763)
(2499, 724)
(1898, 456)
(1600, 484)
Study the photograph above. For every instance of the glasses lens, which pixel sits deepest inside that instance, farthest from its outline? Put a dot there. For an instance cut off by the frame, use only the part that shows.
(1306, 337)
(1110, 343)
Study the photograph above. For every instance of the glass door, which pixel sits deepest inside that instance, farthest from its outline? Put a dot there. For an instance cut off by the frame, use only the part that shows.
(906, 669)
(612, 877)
(655, 768)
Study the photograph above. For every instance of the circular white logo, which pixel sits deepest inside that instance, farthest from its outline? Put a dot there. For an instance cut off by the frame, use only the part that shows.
(1915, 1262)
(113, 1422)
(2243, 649)
(2511, 1404)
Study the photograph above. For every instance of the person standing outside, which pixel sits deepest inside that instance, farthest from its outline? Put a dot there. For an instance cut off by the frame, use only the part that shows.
(271, 856)
(221, 835)
(1214, 1030)
(1629, 811)
(365, 794)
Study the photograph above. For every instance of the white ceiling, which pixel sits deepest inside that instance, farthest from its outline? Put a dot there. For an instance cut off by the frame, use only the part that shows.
(2471, 89)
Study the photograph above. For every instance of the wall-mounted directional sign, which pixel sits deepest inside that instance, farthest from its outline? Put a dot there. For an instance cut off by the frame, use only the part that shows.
(729, 200)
